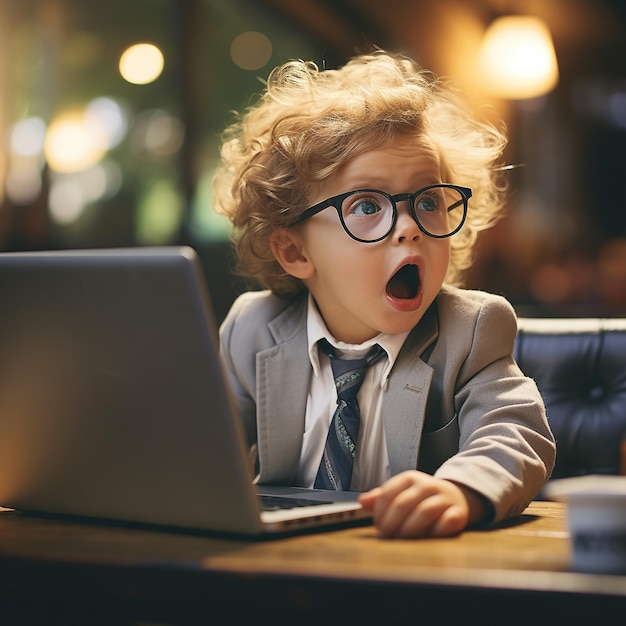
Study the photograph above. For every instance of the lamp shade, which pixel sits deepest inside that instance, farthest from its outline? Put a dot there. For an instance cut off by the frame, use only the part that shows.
(517, 58)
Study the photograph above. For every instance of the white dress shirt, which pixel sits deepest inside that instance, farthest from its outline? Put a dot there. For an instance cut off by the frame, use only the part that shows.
(371, 466)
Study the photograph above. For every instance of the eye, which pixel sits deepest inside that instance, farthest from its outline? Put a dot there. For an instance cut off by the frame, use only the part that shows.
(427, 204)
(366, 207)
(363, 206)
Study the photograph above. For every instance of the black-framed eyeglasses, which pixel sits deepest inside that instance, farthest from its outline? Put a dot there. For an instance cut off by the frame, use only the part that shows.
(369, 215)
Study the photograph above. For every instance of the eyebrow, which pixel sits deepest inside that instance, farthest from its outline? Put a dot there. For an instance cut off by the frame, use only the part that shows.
(383, 186)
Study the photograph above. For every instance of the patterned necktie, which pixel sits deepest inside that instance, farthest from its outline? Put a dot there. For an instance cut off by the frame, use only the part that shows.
(335, 471)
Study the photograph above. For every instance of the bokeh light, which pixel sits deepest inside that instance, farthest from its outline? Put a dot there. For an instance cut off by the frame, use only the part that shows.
(251, 50)
(27, 137)
(160, 212)
(23, 182)
(70, 194)
(141, 63)
(111, 117)
(74, 143)
(156, 133)
(66, 201)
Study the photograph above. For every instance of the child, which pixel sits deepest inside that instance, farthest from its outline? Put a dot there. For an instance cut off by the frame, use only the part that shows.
(350, 192)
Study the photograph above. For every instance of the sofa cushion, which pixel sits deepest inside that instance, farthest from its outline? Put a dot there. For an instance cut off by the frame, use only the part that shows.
(579, 366)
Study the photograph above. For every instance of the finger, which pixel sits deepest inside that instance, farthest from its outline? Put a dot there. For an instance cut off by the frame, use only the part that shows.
(395, 486)
(392, 518)
(368, 499)
(432, 516)
(451, 522)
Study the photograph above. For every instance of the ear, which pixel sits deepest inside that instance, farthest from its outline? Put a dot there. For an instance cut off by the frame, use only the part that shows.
(288, 249)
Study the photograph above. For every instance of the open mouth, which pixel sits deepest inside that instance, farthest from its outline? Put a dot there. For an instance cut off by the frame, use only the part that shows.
(405, 283)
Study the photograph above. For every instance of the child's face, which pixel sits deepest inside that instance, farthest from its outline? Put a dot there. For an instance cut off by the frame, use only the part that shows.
(359, 287)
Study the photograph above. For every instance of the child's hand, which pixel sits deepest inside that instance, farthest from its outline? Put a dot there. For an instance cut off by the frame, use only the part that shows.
(415, 504)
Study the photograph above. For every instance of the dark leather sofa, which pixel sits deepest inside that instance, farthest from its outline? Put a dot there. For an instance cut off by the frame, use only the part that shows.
(579, 366)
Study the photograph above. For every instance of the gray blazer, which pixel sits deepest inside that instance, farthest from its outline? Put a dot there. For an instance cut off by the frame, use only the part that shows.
(456, 404)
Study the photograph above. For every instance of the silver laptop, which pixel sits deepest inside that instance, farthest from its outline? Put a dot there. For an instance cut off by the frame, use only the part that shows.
(113, 404)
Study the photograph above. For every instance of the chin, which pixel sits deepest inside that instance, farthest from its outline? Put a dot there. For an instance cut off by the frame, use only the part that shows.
(397, 324)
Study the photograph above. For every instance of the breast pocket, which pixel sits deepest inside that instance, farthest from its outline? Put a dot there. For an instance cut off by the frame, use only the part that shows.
(438, 446)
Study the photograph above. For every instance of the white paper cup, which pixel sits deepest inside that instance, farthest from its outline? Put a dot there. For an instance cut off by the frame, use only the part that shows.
(597, 521)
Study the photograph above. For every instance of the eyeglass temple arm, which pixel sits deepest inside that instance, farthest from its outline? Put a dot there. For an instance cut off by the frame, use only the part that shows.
(466, 197)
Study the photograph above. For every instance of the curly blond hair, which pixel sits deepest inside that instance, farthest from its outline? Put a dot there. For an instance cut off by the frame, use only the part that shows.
(310, 122)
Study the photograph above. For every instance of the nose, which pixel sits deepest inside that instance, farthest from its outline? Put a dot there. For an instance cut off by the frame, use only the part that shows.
(406, 228)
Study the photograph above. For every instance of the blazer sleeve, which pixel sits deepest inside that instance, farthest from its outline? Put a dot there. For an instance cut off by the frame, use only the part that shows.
(506, 450)
(238, 364)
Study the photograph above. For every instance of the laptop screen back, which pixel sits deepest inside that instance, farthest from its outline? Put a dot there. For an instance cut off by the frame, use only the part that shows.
(112, 402)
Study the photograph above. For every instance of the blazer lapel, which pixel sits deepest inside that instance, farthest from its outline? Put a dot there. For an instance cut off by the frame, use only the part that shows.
(283, 380)
(284, 374)
(406, 395)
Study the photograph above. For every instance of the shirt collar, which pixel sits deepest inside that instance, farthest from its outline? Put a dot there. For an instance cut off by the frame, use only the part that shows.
(316, 330)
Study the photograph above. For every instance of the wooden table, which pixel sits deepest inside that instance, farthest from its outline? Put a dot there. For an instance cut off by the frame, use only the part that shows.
(66, 572)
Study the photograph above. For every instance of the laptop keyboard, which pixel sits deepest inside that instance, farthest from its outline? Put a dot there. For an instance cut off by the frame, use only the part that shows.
(276, 503)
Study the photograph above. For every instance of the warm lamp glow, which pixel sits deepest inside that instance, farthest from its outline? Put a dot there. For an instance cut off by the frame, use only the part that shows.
(517, 58)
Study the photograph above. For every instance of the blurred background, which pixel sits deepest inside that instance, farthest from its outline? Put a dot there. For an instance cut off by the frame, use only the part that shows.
(111, 114)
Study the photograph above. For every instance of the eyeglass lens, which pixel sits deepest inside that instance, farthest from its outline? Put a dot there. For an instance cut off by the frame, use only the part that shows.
(368, 215)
